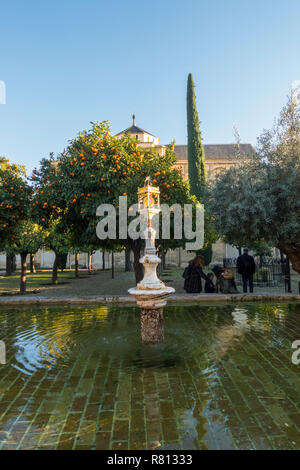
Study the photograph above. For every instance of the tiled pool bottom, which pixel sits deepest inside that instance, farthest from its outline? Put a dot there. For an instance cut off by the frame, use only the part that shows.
(80, 378)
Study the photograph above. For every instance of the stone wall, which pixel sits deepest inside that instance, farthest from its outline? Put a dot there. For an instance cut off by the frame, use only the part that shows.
(174, 258)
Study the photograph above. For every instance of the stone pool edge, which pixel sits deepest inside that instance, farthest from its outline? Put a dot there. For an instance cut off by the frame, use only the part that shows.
(124, 299)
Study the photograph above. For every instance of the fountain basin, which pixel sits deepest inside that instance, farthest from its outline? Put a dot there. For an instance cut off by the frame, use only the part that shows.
(151, 298)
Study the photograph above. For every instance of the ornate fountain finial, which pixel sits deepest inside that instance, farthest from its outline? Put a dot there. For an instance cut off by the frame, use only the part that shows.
(148, 181)
(133, 119)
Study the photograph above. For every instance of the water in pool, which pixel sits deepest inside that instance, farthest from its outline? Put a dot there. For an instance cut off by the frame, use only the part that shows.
(80, 378)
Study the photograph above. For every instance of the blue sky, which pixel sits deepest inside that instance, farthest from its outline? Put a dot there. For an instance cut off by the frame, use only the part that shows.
(66, 63)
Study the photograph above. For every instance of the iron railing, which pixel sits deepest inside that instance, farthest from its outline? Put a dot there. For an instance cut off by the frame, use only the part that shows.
(270, 272)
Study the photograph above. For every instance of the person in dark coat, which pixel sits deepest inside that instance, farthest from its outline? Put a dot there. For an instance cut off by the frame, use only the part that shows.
(209, 284)
(193, 274)
(246, 267)
(186, 276)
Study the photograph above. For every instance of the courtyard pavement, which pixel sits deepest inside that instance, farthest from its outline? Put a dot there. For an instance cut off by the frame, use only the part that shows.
(99, 287)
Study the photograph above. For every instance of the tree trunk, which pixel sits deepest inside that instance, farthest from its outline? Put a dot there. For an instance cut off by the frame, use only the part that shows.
(138, 268)
(127, 260)
(112, 265)
(90, 262)
(23, 273)
(293, 252)
(9, 264)
(76, 264)
(163, 259)
(179, 258)
(55, 270)
(32, 267)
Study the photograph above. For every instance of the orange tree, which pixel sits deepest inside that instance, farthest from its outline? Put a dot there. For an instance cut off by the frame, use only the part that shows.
(97, 168)
(15, 195)
(48, 208)
(27, 237)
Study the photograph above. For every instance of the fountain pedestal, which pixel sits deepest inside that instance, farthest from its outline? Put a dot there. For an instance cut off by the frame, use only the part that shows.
(151, 296)
(152, 325)
(151, 293)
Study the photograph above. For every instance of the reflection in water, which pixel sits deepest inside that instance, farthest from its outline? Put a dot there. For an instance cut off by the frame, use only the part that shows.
(81, 378)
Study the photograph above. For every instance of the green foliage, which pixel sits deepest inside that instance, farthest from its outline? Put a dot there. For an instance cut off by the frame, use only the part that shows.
(261, 275)
(206, 253)
(260, 248)
(28, 238)
(14, 200)
(260, 197)
(196, 161)
(97, 168)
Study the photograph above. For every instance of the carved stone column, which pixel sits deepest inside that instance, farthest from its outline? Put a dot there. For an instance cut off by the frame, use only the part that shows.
(152, 327)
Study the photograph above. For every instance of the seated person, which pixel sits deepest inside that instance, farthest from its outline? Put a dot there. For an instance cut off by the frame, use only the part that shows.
(228, 274)
(225, 280)
(209, 285)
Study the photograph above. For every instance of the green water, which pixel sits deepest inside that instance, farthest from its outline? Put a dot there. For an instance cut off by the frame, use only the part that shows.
(80, 378)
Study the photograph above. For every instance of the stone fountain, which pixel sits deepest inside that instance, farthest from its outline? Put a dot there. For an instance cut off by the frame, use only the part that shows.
(151, 293)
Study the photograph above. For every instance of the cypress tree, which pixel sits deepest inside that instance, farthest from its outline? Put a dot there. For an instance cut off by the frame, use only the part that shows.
(196, 162)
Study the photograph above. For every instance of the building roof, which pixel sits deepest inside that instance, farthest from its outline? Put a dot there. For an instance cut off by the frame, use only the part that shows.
(135, 130)
(215, 151)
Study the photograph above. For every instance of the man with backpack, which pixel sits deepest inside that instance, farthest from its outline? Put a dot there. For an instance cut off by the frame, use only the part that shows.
(246, 267)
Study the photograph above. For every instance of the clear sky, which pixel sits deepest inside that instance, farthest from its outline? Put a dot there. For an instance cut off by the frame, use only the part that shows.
(68, 62)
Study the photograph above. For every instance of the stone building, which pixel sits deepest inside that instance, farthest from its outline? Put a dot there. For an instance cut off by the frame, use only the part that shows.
(217, 157)
(144, 138)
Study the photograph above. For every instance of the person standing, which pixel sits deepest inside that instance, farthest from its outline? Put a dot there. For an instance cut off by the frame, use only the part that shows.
(246, 267)
(193, 275)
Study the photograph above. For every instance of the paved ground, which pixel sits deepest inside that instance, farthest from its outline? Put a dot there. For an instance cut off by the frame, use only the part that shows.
(100, 283)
